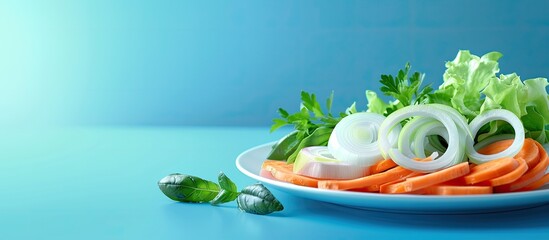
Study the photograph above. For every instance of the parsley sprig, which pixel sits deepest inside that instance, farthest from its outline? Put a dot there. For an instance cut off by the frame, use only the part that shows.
(313, 126)
(405, 89)
(310, 115)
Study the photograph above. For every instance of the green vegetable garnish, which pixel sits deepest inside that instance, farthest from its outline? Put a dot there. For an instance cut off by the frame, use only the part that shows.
(319, 137)
(186, 188)
(312, 127)
(284, 147)
(472, 87)
(255, 199)
(228, 191)
(310, 116)
(405, 89)
(464, 79)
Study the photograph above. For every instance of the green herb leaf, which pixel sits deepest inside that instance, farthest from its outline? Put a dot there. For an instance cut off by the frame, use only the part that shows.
(329, 102)
(284, 147)
(319, 137)
(186, 188)
(225, 183)
(224, 196)
(306, 121)
(278, 123)
(403, 88)
(257, 199)
(229, 191)
(310, 103)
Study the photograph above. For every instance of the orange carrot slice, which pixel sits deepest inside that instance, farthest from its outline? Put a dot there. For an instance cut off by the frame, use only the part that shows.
(537, 184)
(489, 170)
(530, 176)
(529, 152)
(382, 166)
(509, 177)
(383, 187)
(457, 190)
(284, 172)
(420, 182)
(496, 147)
(379, 178)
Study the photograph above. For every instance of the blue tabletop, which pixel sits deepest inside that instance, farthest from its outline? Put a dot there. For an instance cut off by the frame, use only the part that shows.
(101, 183)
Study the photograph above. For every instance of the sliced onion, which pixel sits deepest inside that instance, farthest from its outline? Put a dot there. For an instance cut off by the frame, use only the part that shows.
(435, 119)
(492, 115)
(317, 162)
(421, 139)
(354, 139)
(413, 137)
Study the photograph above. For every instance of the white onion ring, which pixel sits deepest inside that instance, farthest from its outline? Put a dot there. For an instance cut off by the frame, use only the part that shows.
(354, 139)
(454, 124)
(492, 115)
(317, 162)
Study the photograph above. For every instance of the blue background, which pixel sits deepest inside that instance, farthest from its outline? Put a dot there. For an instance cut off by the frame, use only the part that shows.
(235, 62)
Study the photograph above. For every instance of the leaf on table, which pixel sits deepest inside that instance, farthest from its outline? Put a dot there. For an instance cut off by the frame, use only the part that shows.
(229, 191)
(186, 188)
(257, 199)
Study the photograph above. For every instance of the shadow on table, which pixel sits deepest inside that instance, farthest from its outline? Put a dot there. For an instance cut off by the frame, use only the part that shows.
(524, 218)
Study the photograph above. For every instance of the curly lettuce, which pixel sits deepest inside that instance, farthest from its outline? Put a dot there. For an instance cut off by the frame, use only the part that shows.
(464, 79)
(472, 87)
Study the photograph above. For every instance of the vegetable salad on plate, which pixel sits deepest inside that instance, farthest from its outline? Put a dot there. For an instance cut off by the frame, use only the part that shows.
(479, 132)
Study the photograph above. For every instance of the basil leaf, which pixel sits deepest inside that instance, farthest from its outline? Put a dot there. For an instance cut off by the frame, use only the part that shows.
(186, 188)
(229, 191)
(226, 183)
(257, 199)
(224, 196)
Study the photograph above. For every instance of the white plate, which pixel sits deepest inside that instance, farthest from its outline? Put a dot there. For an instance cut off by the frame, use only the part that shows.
(249, 162)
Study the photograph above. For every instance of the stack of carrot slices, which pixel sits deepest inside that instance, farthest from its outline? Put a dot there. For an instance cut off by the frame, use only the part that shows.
(523, 172)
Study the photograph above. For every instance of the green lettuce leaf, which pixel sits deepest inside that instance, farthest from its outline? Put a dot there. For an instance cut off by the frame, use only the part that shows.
(528, 100)
(472, 87)
(375, 104)
(536, 95)
(464, 79)
(505, 92)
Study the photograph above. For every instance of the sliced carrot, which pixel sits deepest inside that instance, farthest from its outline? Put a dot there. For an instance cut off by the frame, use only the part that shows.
(377, 187)
(529, 152)
(382, 166)
(457, 190)
(537, 184)
(509, 177)
(370, 189)
(491, 169)
(284, 172)
(496, 147)
(379, 178)
(420, 182)
(383, 187)
(532, 175)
